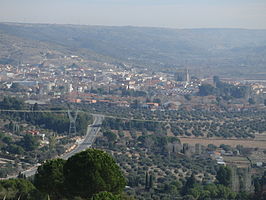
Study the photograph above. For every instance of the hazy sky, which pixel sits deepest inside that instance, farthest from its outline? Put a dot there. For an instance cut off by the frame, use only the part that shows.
(157, 13)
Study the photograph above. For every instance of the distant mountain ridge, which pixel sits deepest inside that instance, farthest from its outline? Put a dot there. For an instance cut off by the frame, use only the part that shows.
(150, 46)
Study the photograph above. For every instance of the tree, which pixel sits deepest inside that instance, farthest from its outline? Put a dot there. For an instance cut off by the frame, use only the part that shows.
(49, 178)
(90, 172)
(83, 119)
(188, 97)
(251, 101)
(14, 149)
(211, 147)
(188, 197)
(216, 80)
(29, 142)
(8, 140)
(105, 196)
(146, 181)
(260, 184)
(110, 136)
(52, 143)
(224, 176)
(212, 191)
(16, 189)
(191, 182)
(172, 188)
(218, 99)
(226, 147)
(206, 89)
(35, 107)
(11, 103)
(151, 182)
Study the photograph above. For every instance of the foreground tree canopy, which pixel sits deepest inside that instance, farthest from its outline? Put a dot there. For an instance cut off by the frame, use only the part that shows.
(18, 189)
(82, 175)
(49, 178)
(105, 196)
(91, 172)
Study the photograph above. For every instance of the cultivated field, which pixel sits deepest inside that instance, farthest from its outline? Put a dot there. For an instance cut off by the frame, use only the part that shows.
(258, 142)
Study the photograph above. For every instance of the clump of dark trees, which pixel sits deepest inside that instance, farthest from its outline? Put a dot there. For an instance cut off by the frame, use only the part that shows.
(91, 174)
(260, 187)
(27, 143)
(57, 122)
(218, 190)
(224, 90)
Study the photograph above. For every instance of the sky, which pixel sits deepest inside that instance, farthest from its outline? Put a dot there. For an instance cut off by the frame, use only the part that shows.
(153, 13)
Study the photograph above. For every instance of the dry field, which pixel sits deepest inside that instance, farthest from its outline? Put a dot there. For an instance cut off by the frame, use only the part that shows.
(237, 160)
(258, 142)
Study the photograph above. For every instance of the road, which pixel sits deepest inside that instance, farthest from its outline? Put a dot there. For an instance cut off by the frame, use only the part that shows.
(91, 134)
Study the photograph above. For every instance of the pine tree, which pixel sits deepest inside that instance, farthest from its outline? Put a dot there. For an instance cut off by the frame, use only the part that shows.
(147, 181)
(173, 150)
(224, 176)
(151, 182)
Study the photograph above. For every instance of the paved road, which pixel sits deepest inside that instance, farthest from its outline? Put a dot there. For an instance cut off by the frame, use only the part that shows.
(92, 131)
(91, 134)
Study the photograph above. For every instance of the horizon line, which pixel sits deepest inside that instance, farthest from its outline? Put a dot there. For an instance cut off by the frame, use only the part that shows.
(133, 26)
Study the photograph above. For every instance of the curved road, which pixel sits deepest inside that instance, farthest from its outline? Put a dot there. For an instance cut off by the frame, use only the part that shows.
(92, 131)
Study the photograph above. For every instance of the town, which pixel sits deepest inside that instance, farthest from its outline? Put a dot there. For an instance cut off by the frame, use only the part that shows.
(193, 113)
(72, 79)
(124, 100)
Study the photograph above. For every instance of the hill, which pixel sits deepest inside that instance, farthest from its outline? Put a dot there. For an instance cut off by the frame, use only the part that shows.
(225, 51)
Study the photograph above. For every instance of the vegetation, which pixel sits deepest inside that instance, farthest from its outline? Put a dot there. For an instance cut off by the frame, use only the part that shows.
(155, 165)
(212, 191)
(33, 137)
(57, 122)
(198, 122)
(18, 189)
(26, 144)
(224, 90)
(224, 176)
(49, 178)
(10, 103)
(29, 142)
(206, 89)
(105, 196)
(83, 175)
(260, 184)
(91, 172)
(155, 168)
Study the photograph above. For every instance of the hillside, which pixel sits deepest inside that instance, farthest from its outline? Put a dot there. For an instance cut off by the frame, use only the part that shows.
(225, 51)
